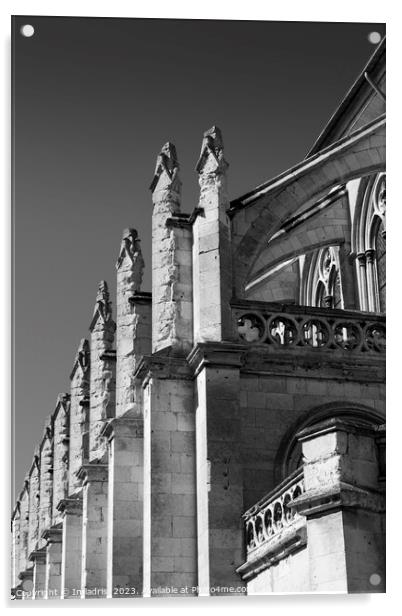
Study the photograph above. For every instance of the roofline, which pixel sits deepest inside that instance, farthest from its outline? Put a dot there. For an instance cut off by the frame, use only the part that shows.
(357, 85)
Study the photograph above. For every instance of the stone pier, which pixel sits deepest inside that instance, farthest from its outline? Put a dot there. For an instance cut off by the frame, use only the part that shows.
(53, 538)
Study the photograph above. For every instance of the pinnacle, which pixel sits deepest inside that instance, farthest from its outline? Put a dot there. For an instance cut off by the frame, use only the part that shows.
(103, 292)
(169, 150)
(216, 134)
(130, 233)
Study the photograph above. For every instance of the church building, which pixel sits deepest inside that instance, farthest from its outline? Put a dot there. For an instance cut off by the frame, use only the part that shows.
(224, 433)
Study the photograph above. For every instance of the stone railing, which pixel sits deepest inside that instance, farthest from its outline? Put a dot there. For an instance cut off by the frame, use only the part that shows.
(283, 326)
(273, 513)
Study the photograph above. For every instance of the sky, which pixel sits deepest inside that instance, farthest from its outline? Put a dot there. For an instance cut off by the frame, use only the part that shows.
(94, 100)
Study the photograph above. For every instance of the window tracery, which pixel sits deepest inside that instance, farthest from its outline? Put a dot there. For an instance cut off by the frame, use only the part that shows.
(370, 245)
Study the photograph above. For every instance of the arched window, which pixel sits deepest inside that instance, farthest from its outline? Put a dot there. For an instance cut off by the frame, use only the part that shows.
(370, 246)
(323, 281)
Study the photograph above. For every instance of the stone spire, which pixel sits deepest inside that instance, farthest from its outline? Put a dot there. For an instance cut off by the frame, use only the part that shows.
(61, 439)
(79, 415)
(212, 159)
(171, 259)
(166, 170)
(166, 183)
(212, 244)
(102, 373)
(130, 257)
(103, 304)
(133, 319)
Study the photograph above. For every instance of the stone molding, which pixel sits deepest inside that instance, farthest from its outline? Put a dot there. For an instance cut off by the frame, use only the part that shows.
(93, 472)
(141, 297)
(124, 426)
(70, 505)
(162, 367)
(339, 496)
(217, 355)
(53, 535)
(38, 556)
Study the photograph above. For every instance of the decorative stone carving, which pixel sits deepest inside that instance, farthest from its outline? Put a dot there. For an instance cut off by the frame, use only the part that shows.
(212, 159)
(167, 168)
(295, 329)
(267, 518)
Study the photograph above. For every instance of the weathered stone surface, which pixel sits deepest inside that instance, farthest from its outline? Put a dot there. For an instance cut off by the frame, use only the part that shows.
(171, 260)
(79, 414)
(103, 367)
(61, 431)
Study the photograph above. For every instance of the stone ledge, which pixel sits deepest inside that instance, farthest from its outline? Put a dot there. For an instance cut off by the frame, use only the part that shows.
(289, 540)
(338, 496)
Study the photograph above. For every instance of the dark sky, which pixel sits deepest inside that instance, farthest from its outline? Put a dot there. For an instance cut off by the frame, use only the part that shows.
(94, 101)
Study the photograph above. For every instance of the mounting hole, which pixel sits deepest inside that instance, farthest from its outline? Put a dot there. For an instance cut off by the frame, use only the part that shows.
(27, 30)
(374, 38)
(375, 579)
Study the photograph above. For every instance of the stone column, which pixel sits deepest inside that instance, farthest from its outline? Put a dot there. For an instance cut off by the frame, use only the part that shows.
(38, 558)
(46, 482)
(169, 479)
(71, 517)
(61, 421)
(361, 261)
(79, 404)
(102, 387)
(171, 259)
(125, 503)
(94, 530)
(372, 286)
(219, 467)
(344, 506)
(212, 258)
(53, 538)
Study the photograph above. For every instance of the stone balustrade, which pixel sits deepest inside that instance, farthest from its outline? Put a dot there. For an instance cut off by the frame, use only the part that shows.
(273, 513)
(284, 326)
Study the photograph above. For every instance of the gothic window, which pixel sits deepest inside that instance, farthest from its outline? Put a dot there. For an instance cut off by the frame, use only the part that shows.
(323, 282)
(370, 248)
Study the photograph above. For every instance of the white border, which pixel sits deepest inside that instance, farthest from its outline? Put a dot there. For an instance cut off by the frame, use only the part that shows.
(291, 10)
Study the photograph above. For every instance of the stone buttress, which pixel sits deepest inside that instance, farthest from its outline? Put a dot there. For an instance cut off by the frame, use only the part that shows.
(94, 473)
(169, 439)
(124, 433)
(216, 364)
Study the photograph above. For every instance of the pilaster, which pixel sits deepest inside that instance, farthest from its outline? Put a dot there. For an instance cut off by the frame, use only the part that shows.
(38, 557)
(219, 467)
(169, 478)
(53, 538)
(94, 479)
(125, 507)
(71, 519)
